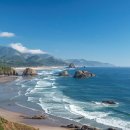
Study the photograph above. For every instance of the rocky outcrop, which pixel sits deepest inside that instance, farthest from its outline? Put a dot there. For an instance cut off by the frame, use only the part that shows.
(83, 74)
(76, 127)
(111, 129)
(72, 126)
(109, 102)
(64, 73)
(38, 117)
(85, 127)
(72, 65)
(29, 72)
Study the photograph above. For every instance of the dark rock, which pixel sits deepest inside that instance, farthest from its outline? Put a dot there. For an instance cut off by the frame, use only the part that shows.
(109, 102)
(83, 74)
(72, 65)
(39, 117)
(72, 126)
(111, 129)
(29, 72)
(64, 73)
(85, 127)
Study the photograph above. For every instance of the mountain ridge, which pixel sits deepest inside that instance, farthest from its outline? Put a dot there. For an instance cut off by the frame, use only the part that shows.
(14, 58)
(87, 63)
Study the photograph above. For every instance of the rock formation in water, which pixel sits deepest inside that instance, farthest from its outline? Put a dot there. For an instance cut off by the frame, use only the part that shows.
(29, 72)
(83, 74)
(64, 73)
(72, 65)
(109, 102)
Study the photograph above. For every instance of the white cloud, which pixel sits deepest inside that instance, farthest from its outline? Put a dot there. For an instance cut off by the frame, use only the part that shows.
(7, 34)
(19, 47)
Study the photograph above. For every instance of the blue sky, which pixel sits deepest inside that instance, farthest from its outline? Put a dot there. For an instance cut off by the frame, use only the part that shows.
(90, 29)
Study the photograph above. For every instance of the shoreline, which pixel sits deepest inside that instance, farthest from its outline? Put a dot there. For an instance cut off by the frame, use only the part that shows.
(14, 111)
(16, 117)
(39, 68)
(7, 79)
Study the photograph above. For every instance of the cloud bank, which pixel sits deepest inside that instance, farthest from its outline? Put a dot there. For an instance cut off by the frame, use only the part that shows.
(19, 47)
(7, 34)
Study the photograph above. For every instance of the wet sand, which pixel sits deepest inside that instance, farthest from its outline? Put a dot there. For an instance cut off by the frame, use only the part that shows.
(5, 79)
(16, 117)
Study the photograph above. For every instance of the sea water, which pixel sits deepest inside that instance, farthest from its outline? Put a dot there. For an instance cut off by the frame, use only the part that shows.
(81, 99)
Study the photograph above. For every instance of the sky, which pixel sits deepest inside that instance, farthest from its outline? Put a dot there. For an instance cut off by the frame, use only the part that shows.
(88, 29)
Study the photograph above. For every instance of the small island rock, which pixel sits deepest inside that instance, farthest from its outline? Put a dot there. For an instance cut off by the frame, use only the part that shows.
(109, 102)
(72, 65)
(83, 74)
(64, 73)
(29, 72)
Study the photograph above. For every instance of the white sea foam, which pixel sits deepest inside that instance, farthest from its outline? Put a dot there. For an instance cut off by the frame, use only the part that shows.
(25, 107)
(43, 84)
(23, 86)
(91, 115)
(115, 122)
(54, 87)
(28, 91)
(100, 117)
(45, 73)
(43, 106)
(33, 99)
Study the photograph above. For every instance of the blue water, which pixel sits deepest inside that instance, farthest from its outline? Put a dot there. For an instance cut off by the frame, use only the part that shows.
(81, 99)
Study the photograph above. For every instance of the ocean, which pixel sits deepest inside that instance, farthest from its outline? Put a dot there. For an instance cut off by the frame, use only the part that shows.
(80, 99)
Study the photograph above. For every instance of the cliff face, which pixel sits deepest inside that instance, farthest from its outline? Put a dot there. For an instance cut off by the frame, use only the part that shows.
(7, 125)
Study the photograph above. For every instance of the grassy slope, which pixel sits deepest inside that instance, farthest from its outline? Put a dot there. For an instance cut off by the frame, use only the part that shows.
(7, 125)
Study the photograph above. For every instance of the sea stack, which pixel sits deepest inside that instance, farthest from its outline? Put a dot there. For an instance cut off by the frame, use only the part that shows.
(72, 65)
(64, 73)
(83, 74)
(29, 72)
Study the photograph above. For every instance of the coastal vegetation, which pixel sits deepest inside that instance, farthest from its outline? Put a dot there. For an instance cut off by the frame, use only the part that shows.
(6, 70)
(8, 125)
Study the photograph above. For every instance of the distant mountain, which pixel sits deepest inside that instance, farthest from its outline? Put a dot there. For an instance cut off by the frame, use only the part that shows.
(13, 57)
(83, 62)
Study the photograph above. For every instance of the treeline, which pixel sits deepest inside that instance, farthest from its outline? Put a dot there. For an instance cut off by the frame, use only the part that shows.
(6, 70)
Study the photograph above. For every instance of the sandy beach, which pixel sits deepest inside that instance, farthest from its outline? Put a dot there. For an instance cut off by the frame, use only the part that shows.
(39, 68)
(14, 105)
(10, 111)
(16, 117)
(5, 79)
